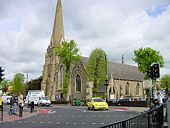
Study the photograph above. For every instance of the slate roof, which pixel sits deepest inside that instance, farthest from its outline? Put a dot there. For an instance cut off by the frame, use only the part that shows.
(121, 71)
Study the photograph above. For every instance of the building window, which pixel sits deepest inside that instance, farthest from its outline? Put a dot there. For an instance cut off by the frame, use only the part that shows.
(61, 76)
(78, 83)
(127, 89)
(137, 89)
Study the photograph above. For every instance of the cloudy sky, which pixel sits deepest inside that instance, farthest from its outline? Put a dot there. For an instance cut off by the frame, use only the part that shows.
(117, 26)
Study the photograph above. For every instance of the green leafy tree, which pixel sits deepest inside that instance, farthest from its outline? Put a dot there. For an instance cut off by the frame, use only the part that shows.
(165, 81)
(4, 85)
(97, 68)
(34, 84)
(69, 54)
(18, 84)
(144, 57)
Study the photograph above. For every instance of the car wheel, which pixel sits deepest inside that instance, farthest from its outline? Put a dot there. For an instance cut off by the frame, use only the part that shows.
(93, 108)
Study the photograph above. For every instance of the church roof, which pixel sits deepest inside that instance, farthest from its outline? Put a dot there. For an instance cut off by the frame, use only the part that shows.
(121, 71)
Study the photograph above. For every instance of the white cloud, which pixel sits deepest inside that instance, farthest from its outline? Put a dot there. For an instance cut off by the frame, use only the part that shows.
(116, 26)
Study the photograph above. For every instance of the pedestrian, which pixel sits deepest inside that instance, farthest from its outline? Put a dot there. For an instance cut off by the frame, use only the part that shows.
(15, 105)
(20, 104)
(32, 106)
(11, 111)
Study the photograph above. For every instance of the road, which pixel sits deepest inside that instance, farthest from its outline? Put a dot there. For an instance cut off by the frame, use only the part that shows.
(70, 117)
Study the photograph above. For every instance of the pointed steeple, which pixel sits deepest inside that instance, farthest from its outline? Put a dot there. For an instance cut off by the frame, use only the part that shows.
(58, 29)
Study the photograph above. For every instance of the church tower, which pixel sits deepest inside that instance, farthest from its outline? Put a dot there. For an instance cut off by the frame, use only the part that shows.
(50, 75)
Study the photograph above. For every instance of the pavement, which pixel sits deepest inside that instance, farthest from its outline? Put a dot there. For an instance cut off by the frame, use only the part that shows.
(7, 117)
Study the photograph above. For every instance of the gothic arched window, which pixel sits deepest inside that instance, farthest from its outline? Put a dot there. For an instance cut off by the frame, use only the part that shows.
(127, 89)
(137, 89)
(78, 83)
(61, 76)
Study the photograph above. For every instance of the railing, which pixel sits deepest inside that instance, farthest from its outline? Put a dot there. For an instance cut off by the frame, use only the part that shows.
(150, 119)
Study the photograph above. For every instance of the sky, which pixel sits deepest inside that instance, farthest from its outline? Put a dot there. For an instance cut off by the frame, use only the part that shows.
(117, 26)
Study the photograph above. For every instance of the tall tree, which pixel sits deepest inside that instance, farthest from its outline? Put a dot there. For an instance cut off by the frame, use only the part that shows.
(34, 84)
(18, 84)
(97, 68)
(69, 53)
(144, 57)
(165, 82)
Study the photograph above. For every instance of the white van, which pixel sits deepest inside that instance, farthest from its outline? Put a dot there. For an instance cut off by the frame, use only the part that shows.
(33, 95)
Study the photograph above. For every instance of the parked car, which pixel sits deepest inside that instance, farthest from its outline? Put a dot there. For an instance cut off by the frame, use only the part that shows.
(6, 99)
(44, 101)
(97, 103)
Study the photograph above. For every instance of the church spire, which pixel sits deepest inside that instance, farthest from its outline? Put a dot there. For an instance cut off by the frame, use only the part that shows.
(58, 29)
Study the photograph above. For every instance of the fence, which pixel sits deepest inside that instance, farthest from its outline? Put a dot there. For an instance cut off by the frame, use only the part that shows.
(128, 103)
(150, 119)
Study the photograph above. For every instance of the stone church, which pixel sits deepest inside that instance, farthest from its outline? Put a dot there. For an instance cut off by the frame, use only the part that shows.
(124, 81)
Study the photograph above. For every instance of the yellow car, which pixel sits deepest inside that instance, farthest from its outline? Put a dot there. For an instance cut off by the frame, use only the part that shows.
(97, 103)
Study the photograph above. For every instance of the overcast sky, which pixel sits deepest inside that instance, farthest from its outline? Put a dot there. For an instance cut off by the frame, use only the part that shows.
(117, 26)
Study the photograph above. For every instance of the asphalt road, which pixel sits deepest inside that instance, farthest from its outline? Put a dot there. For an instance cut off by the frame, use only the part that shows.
(70, 117)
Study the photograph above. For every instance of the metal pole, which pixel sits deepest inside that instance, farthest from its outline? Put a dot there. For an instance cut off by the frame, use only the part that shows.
(1, 112)
(150, 100)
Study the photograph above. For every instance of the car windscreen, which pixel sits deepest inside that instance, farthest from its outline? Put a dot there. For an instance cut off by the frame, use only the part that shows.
(44, 98)
(98, 100)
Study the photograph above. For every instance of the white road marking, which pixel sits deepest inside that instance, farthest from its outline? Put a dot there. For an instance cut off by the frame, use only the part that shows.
(82, 123)
(101, 123)
(66, 122)
(74, 123)
(33, 122)
(50, 122)
(58, 123)
(52, 112)
(41, 122)
(93, 123)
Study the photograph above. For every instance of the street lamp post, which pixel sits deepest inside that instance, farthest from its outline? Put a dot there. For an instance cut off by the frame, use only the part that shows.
(106, 84)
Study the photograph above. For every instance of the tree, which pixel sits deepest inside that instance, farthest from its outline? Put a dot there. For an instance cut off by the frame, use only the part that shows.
(144, 57)
(165, 81)
(34, 84)
(4, 85)
(18, 84)
(97, 68)
(69, 54)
